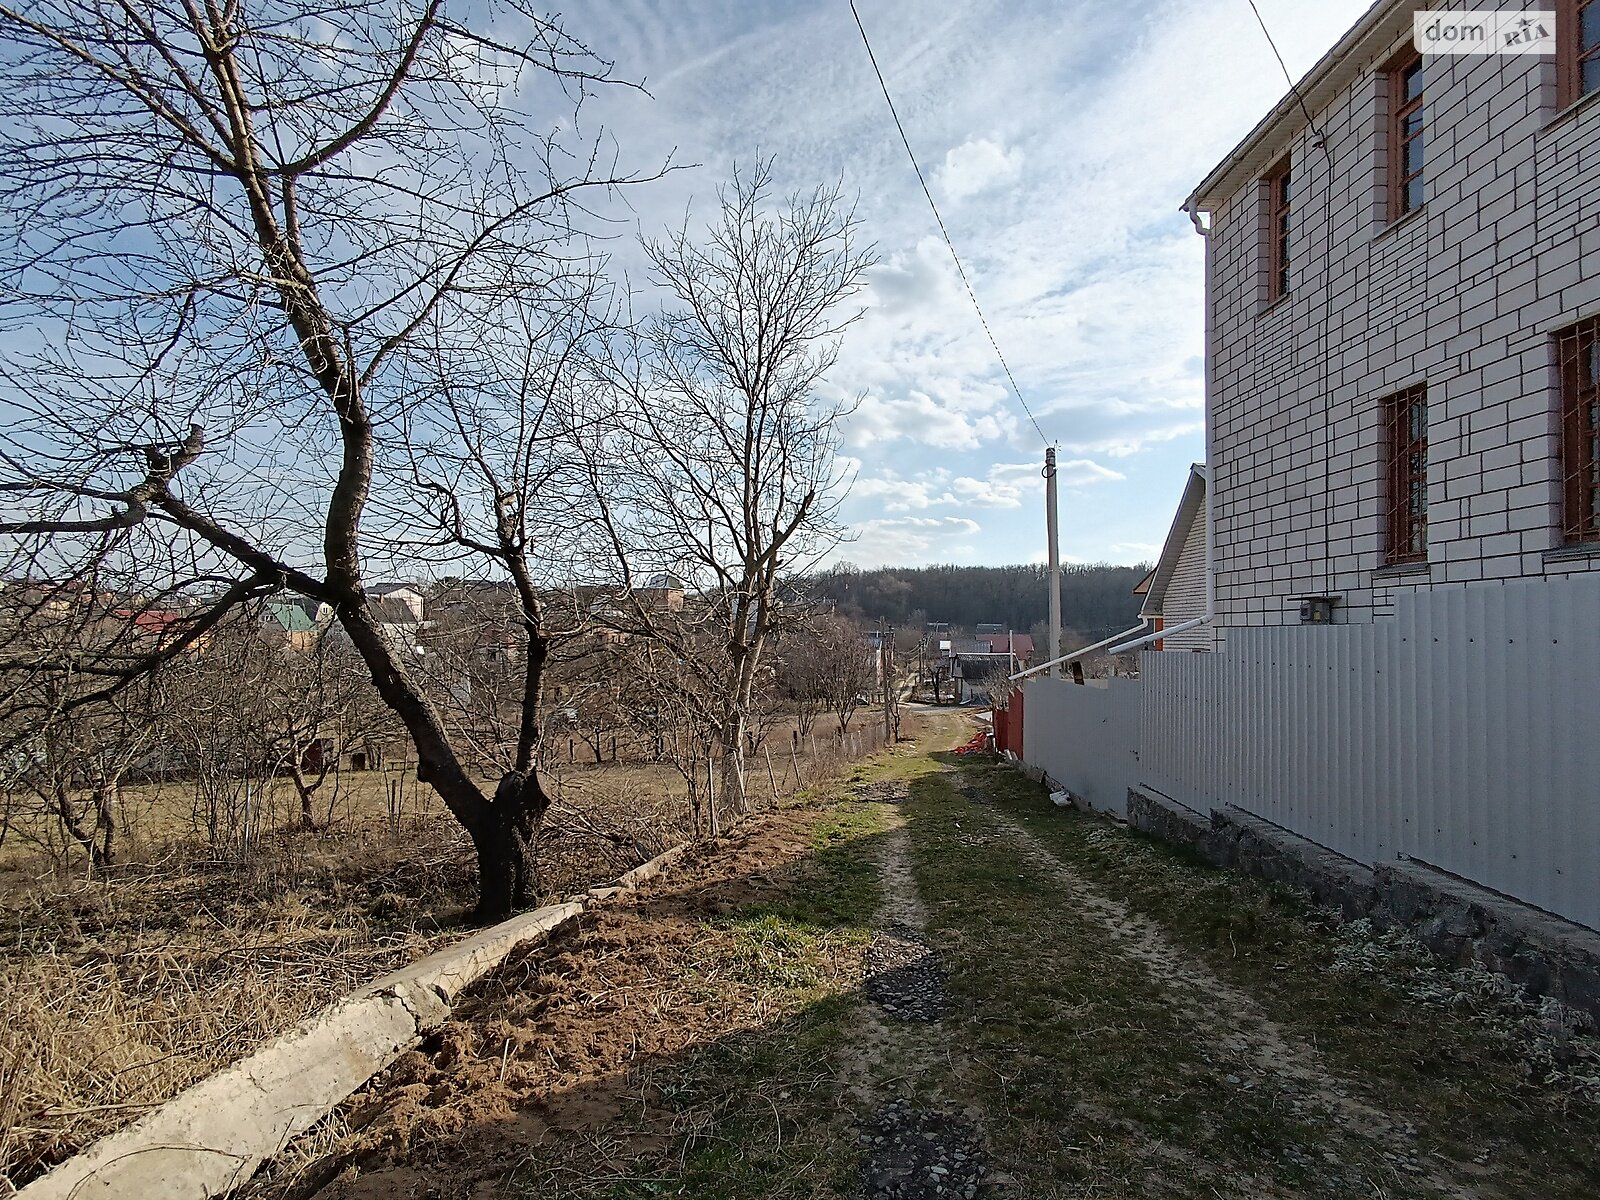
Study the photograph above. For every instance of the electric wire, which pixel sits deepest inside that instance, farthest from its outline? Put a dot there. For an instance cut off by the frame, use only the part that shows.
(956, 258)
(1321, 142)
(1294, 89)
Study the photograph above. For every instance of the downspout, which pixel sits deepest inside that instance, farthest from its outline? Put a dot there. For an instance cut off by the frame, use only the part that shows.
(1211, 483)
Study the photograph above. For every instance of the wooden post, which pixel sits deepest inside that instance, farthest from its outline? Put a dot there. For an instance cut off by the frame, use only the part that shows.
(771, 777)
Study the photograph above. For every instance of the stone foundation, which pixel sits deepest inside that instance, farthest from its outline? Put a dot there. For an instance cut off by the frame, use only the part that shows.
(1457, 920)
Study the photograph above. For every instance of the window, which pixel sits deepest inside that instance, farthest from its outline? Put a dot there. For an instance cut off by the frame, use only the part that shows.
(1407, 419)
(1405, 136)
(1579, 353)
(1578, 48)
(1279, 210)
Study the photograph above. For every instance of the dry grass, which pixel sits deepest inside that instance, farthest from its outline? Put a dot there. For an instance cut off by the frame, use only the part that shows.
(124, 989)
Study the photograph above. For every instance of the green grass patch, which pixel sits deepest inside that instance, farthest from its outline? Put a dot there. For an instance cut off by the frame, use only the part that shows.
(1090, 1078)
(1459, 1073)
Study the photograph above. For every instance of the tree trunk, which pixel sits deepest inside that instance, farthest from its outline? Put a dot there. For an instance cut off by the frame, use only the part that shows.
(505, 844)
(305, 788)
(732, 783)
(105, 816)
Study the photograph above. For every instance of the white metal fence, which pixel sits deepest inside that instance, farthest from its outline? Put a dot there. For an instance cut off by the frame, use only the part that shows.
(1464, 733)
(1085, 737)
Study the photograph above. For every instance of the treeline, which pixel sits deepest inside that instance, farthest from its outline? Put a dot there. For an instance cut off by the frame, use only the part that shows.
(1096, 600)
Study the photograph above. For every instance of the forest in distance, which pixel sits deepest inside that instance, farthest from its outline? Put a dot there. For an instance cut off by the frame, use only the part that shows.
(1097, 599)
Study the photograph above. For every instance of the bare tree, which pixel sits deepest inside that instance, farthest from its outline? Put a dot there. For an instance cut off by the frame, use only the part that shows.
(248, 238)
(801, 681)
(722, 469)
(74, 766)
(847, 667)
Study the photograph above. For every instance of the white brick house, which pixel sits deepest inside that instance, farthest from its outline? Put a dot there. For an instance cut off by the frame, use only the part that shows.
(1403, 403)
(1390, 406)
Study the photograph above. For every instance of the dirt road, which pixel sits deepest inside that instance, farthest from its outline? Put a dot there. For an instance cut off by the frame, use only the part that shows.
(932, 983)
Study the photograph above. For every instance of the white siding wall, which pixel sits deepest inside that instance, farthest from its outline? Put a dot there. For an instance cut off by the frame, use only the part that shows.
(1463, 295)
(1461, 733)
(1185, 597)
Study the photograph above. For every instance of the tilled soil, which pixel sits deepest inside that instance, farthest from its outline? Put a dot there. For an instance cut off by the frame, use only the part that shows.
(545, 1050)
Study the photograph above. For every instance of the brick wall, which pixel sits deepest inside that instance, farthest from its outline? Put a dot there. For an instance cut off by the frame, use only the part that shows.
(1463, 295)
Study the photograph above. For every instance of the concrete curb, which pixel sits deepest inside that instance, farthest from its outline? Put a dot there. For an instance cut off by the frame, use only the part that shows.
(213, 1135)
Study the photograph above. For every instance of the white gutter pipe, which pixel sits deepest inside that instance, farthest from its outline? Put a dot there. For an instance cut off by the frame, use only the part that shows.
(1087, 650)
(1211, 487)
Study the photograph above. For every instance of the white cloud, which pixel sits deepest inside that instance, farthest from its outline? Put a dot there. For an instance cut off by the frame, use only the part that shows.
(917, 416)
(1064, 162)
(975, 166)
(1009, 483)
(910, 541)
(905, 495)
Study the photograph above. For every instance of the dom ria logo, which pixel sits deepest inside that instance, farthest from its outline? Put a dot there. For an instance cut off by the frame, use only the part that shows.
(1485, 31)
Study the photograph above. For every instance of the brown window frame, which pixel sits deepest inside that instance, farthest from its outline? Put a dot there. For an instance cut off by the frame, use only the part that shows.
(1406, 526)
(1401, 110)
(1280, 213)
(1571, 54)
(1578, 356)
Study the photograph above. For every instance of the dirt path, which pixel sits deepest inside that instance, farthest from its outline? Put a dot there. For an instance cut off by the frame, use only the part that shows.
(918, 1142)
(928, 983)
(1230, 1019)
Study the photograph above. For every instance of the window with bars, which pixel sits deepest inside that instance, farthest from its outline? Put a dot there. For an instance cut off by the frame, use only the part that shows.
(1578, 48)
(1406, 181)
(1280, 208)
(1579, 353)
(1406, 415)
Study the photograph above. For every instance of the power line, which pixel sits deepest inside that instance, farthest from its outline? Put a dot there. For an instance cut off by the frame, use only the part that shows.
(956, 258)
(1324, 315)
(1284, 67)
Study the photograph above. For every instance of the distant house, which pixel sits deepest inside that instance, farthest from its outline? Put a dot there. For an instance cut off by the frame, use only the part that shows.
(396, 617)
(1175, 592)
(407, 594)
(294, 622)
(977, 664)
(662, 592)
(1001, 640)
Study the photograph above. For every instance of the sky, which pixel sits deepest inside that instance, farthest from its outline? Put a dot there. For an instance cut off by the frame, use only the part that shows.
(1059, 139)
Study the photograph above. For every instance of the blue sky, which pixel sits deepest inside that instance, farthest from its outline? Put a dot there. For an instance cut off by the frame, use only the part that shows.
(1060, 139)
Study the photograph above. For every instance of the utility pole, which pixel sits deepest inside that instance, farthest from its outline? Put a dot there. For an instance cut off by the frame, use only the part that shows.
(1055, 556)
(936, 657)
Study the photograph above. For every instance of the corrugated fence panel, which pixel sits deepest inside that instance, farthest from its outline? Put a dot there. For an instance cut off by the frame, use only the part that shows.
(1085, 737)
(1464, 733)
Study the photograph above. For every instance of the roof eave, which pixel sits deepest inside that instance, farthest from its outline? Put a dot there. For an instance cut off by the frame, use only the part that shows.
(1194, 494)
(1367, 40)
